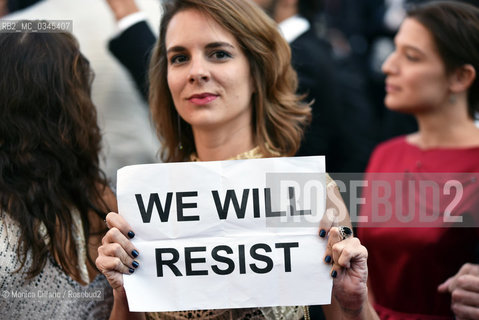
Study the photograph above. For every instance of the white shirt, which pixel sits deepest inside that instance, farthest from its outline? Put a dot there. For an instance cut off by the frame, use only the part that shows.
(293, 27)
(129, 20)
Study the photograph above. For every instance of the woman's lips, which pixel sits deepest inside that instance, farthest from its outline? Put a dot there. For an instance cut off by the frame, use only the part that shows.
(391, 88)
(201, 99)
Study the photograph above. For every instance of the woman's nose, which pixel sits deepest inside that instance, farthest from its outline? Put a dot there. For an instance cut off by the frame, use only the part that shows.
(389, 65)
(199, 71)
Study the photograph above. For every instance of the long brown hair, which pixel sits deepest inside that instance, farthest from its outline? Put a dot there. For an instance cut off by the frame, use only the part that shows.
(49, 145)
(454, 25)
(279, 114)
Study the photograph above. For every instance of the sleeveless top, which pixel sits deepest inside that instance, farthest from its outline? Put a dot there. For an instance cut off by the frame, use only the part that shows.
(52, 294)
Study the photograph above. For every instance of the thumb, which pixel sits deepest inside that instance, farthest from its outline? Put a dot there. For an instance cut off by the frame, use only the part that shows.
(444, 287)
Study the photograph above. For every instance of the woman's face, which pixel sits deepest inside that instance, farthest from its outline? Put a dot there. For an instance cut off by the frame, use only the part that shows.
(416, 79)
(208, 74)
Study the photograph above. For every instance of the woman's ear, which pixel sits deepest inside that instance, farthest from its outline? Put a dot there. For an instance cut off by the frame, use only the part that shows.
(462, 78)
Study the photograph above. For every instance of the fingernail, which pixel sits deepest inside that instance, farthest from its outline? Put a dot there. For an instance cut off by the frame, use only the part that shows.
(131, 270)
(327, 259)
(334, 274)
(131, 234)
(134, 253)
(135, 264)
(322, 233)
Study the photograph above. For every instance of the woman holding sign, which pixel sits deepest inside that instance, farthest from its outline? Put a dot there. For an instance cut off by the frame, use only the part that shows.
(222, 87)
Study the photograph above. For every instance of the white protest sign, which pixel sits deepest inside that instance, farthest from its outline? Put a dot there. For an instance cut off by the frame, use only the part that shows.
(226, 234)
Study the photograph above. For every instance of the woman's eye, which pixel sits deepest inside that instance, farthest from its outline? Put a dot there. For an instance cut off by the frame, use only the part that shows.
(221, 55)
(411, 57)
(180, 58)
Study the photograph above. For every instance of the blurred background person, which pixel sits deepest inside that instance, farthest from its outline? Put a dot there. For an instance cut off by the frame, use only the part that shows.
(361, 33)
(128, 135)
(418, 270)
(53, 195)
(133, 43)
(341, 123)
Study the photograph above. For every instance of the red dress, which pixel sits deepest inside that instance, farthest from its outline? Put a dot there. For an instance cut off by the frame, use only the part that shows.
(411, 248)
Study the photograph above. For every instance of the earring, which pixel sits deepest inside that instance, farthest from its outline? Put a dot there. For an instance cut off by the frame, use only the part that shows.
(180, 145)
(452, 99)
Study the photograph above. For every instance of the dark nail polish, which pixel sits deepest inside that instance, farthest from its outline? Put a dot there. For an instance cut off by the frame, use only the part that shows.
(135, 264)
(131, 234)
(134, 253)
(131, 270)
(334, 274)
(327, 259)
(322, 233)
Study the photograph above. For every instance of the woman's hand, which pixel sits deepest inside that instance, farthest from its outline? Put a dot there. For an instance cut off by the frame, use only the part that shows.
(464, 290)
(350, 272)
(122, 8)
(116, 255)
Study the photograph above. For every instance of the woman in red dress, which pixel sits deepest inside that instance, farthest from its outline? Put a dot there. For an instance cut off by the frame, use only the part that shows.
(421, 199)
